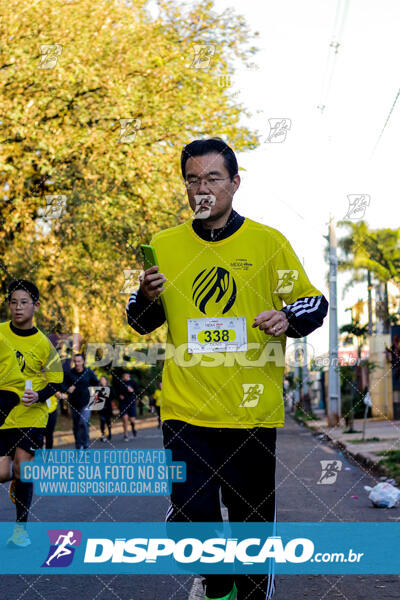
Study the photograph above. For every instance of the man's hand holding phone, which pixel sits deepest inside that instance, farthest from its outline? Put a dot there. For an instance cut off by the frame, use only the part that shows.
(152, 282)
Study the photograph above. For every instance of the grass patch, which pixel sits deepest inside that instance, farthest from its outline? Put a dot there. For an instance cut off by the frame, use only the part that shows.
(352, 431)
(302, 416)
(361, 441)
(391, 462)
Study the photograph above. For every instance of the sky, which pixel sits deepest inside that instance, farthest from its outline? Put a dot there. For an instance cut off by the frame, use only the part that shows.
(340, 54)
(294, 185)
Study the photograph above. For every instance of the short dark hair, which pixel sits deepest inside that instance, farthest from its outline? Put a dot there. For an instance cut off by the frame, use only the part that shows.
(26, 286)
(201, 147)
(78, 354)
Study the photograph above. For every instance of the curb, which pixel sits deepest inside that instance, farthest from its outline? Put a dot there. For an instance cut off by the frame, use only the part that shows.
(62, 437)
(361, 459)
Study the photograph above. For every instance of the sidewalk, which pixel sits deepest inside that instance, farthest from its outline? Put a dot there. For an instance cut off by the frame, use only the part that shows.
(61, 437)
(380, 435)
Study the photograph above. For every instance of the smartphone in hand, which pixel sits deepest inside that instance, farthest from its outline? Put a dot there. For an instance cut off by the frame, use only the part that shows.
(149, 256)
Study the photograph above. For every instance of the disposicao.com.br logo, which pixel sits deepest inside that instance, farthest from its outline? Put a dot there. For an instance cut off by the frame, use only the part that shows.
(168, 547)
(248, 551)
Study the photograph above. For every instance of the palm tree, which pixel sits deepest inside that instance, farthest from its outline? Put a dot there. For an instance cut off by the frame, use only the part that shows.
(375, 252)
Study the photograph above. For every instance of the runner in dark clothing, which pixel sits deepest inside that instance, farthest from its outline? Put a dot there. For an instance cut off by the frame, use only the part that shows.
(127, 394)
(77, 382)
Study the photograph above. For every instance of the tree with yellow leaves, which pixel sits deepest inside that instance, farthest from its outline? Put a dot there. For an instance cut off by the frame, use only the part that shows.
(98, 99)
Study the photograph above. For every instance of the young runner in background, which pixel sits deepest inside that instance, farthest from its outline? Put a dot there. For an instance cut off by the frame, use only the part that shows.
(22, 431)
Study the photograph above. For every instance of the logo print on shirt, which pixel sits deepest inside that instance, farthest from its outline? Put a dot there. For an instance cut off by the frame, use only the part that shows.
(212, 282)
(251, 394)
(21, 360)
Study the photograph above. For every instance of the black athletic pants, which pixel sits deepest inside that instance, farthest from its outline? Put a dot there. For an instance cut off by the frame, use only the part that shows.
(49, 431)
(8, 401)
(241, 464)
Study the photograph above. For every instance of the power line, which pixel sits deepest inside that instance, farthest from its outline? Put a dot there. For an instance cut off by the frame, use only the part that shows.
(387, 121)
(342, 8)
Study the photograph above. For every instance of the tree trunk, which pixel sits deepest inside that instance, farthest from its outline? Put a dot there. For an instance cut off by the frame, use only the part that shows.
(386, 322)
(369, 303)
(382, 308)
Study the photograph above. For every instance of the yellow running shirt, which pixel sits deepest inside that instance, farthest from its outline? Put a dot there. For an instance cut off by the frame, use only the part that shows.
(39, 362)
(52, 403)
(230, 281)
(11, 378)
(157, 397)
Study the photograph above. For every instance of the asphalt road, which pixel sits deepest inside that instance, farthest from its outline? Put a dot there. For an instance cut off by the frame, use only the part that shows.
(299, 498)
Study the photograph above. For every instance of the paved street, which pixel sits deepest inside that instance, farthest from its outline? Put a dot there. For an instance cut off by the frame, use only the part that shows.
(380, 435)
(300, 498)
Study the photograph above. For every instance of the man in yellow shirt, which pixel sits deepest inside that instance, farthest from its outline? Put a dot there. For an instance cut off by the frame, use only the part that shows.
(231, 290)
(157, 401)
(21, 433)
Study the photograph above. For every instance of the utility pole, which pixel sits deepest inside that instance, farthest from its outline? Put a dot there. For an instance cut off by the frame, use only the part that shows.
(305, 368)
(305, 376)
(297, 354)
(334, 408)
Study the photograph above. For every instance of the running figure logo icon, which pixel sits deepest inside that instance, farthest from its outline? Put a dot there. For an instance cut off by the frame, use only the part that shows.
(330, 470)
(50, 54)
(129, 128)
(55, 206)
(357, 206)
(251, 394)
(278, 129)
(98, 397)
(204, 202)
(62, 547)
(203, 54)
(132, 280)
(286, 279)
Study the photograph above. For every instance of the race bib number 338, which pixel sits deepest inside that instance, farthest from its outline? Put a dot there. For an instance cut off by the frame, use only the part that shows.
(223, 334)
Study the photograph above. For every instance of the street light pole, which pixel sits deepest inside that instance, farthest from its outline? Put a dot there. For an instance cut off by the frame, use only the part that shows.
(297, 353)
(305, 377)
(334, 408)
(305, 368)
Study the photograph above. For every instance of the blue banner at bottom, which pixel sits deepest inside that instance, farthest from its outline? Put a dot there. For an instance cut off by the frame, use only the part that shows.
(183, 548)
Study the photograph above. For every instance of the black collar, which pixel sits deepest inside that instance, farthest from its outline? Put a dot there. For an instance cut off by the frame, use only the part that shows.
(215, 235)
(78, 372)
(23, 332)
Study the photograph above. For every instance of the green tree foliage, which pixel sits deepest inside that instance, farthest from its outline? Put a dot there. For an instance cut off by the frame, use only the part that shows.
(374, 250)
(60, 134)
(360, 332)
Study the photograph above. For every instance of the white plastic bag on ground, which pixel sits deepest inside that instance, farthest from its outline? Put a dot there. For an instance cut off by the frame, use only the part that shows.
(383, 495)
